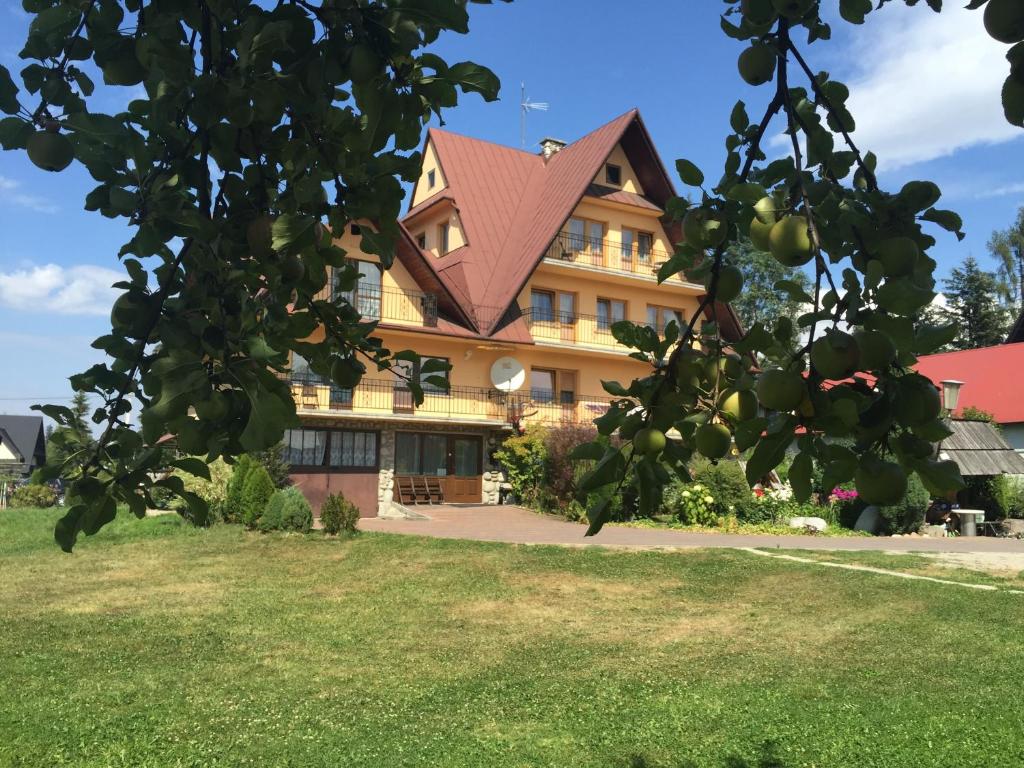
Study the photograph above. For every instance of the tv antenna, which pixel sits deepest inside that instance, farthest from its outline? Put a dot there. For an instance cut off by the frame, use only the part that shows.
(525, 105)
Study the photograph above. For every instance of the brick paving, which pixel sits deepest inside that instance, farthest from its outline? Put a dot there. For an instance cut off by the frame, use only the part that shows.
(519, 526)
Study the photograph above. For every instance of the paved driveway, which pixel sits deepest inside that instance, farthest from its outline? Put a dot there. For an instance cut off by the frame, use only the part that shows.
(519, 526)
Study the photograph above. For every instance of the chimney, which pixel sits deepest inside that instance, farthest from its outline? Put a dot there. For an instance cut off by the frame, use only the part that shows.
(550, 146)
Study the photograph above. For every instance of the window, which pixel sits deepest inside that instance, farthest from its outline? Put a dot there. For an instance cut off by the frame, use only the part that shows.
(542, 306)
(636, 242)
(422, 453)
(431, 178)
(613, 174)
(545, 383)
(609, 311)
(442, 238)
(429, 386)
(366, 296)
(658, 318)
(586, 235)
(421, 241)
(406, 371)
(542, 385)
(334, 448)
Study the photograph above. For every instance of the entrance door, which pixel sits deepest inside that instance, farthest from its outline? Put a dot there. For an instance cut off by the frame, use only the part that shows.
(464, 483)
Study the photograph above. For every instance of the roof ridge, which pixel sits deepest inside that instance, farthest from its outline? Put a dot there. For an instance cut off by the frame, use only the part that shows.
(458, 135)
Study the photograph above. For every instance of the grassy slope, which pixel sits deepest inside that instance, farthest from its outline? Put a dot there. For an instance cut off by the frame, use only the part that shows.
(156, 645)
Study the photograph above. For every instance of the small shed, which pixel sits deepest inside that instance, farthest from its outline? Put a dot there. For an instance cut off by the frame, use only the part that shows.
(979, 449)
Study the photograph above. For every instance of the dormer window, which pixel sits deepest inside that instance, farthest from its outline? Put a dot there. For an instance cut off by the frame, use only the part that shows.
(613, 174)
(442, 238)
(431, 178)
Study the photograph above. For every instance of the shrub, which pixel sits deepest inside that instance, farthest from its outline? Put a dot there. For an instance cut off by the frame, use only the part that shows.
(692, 503)
(256, 492)
(33, 496)
(286, 510)
(727, 484)
(1015, 497)
(213, 491)
(273, 461)
(232, 509)
(908, 515)
(561, 472)
(524, 458)
(1001, 495)
(338, 514)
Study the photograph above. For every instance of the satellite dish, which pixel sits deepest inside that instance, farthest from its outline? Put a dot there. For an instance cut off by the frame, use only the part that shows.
(508, 374)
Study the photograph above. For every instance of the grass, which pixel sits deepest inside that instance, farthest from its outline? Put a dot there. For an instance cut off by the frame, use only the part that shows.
(940, 566)
(161, 645)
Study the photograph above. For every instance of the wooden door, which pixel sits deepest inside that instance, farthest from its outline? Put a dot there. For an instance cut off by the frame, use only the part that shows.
(464, 483)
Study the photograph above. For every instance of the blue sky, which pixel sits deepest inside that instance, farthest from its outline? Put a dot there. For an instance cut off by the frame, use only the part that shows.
(925, 93)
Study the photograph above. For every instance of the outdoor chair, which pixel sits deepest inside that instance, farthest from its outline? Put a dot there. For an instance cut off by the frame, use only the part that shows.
(406, 491)
(435, 491)
(310, 399)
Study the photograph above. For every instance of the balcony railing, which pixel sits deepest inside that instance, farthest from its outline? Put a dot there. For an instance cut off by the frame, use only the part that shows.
(606, 254)
(392, 305)
(569, 327)
(388, 397)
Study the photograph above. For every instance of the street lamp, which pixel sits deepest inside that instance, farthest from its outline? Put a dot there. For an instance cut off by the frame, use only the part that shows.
(950, 394)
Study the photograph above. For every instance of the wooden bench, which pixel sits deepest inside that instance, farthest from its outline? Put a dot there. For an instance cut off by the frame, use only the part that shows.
(434, 490)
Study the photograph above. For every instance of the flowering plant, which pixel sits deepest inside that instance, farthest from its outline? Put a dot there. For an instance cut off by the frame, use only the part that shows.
(693, 504)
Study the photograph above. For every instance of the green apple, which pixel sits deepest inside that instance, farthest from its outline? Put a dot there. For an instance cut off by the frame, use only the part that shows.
(780, 390)
(880, 482)
(835, 355)
(649, 441)
(789, 241)
(767, 210)
(713, 440)
(759, 233)
(1004, 20)
(730, 283)
(50, 151)
(738, 405)
(757, 64)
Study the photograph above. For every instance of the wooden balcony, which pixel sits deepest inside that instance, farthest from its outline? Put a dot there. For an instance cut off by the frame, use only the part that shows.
(388, 399)
(391, 305)
(606, 255)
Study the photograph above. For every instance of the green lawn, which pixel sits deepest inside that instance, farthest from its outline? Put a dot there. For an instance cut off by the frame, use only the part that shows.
(158, 645)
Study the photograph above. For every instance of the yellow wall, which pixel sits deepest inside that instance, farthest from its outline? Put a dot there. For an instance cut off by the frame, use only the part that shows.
(630, 182)
(430, 163)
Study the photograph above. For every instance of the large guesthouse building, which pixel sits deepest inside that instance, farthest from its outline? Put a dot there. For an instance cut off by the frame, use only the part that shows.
(512, 267)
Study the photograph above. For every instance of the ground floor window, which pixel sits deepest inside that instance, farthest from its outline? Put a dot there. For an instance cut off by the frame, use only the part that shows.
(335, 448)
(424, 453)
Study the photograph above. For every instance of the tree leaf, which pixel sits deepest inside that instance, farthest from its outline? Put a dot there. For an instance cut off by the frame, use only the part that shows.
(800, 476)
(8, 92)
(689, 173)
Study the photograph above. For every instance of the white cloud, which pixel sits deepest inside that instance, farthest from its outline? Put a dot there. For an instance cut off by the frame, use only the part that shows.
(10, 192)
(1002, 191)
(925, 84)
(78, 290)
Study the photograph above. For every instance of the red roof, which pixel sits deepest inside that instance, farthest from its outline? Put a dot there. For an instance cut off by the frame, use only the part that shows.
(992, 378)
(513, 203)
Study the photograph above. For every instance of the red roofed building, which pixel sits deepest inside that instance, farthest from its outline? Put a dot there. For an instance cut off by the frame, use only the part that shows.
(993, 380)
(512, 268)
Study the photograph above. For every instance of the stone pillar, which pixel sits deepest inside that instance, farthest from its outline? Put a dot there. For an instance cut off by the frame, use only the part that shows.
(386, 476)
